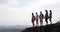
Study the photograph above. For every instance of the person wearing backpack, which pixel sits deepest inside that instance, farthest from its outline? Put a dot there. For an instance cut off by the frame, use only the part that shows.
(33, 19)
(41, 16)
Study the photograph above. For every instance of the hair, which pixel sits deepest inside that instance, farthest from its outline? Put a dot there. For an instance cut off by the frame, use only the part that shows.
(46, 10)
(32, 13)
(36, 13)
(50, 11)
(40, 11)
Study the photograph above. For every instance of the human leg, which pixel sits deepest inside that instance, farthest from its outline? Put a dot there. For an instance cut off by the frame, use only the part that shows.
(37, 23)
(33, 23)
(50, 21)
(41, 23)
(46, 21)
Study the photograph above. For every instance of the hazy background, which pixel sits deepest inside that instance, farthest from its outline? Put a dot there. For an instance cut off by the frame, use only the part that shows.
(18, 12)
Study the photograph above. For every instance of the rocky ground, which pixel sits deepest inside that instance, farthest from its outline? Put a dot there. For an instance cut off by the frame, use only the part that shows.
(47, 28)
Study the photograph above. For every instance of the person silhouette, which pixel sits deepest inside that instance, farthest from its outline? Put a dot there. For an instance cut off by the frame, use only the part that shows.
(41, 16)
(46, 17)
(37, 19)
(33, 19)
(50, 16)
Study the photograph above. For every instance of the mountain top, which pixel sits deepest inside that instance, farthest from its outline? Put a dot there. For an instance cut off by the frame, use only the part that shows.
(47, 28)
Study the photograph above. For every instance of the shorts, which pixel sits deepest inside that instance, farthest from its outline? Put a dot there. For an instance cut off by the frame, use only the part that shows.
(41, 20)
(36, 19)
(32, 20)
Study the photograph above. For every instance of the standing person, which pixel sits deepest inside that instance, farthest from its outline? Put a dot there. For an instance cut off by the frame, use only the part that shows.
(37, 19)
(46, 16)
(50, 16)
(33, 19)
(41, 16)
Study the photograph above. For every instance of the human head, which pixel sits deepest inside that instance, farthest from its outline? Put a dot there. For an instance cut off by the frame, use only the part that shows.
(40, 12)
(50, 11)
(32, 13)
(45, 10)
(36, 13)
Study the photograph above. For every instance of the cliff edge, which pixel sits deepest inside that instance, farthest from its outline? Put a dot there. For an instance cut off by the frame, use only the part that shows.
(47, 28)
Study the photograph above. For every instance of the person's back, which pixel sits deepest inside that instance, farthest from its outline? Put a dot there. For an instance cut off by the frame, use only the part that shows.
(41, 16)
(33, 17)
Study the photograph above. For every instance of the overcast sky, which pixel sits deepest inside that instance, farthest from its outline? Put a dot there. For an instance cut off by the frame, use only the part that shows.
(18, 12)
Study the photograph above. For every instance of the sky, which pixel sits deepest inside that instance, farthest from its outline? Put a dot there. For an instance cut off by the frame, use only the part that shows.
(18, 12)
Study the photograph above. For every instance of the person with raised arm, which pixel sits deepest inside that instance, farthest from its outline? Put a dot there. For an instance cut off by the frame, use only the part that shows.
(41, 16)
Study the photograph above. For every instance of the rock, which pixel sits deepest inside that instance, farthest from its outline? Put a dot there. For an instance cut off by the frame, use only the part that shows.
(48, 28)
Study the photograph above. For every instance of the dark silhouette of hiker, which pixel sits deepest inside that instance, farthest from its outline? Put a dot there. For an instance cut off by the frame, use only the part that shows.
(36, 19)
(41, 16)
(46, 16)
(33, 19)
(50, 16)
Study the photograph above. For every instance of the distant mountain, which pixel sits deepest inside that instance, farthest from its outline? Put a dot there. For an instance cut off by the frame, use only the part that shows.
(17, 28)
(58, 21)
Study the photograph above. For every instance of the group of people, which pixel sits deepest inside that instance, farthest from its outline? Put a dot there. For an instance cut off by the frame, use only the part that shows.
(41, 17)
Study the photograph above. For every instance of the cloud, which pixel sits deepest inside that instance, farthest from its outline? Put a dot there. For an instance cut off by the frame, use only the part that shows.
(11, 13)
(3, 1)
(17, 3)
(23, 2)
